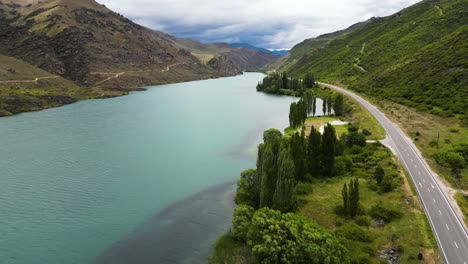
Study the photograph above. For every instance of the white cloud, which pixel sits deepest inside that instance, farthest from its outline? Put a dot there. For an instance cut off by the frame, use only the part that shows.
(270, 23)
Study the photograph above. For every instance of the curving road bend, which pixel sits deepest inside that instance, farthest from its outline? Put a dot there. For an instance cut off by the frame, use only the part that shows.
(449, 231)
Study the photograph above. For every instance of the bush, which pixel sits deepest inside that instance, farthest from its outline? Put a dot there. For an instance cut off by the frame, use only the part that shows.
(454, 130)
(246, 191)
(292, 238)
(433, 143)
(354, 232)
(241, 222)
(362, 220)
(366, 132)
(353, 128)
(387, 184)
(303, 188)
(356, 149)
(387, 214)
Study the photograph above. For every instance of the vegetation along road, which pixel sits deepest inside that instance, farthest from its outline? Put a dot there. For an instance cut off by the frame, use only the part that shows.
(451, 234)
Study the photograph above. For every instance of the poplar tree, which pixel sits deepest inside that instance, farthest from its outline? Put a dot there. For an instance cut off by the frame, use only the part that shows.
(344, 194)
(328, 150)
(299, 154)
(271, 139)
(314, 107)
(329, 104)
(353, 197)
(338, 105)
(284, 198)
(314, 152)
(324, 106)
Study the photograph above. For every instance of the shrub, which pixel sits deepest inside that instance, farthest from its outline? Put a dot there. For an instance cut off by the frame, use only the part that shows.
(356, 149)
(454, 130)
(353, 128)
(241, 222)
(354, 232)
(291, 238)
(387, 183)
(362, 220)
(387, 214)
(433, 143)
(303, 188)
(366, 132)
(246, 191)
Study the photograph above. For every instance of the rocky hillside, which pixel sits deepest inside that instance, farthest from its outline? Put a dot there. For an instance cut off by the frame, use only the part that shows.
(86, 51)
(243, 58)
(84, 41)
(417, 57)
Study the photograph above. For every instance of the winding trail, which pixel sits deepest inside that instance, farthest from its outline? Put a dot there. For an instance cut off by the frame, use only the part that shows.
(30, 81)
(449, 228)
(118, 74)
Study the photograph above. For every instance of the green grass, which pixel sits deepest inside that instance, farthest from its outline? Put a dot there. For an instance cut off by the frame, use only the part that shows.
(412, 231)
(414, 57)
(462, 201)
(229, 251)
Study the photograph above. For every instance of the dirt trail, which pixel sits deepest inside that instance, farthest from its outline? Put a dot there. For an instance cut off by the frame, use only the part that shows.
(117, 75)
(30, 81)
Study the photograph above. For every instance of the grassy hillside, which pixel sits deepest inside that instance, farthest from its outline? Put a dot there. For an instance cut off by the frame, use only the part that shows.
(416, 57)
(311, 44)
(24, 87)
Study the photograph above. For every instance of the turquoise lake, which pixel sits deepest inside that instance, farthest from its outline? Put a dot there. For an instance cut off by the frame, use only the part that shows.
(144, 178)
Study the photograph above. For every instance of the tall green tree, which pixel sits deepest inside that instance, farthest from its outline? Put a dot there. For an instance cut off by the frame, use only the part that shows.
(329, 104)
(272, 140)
(314, 106)
(284, 197)
(345, 196)
(324, 106)
(353, 197)
(298, 144)
(328, 150)
(314, 152)
(338, 105)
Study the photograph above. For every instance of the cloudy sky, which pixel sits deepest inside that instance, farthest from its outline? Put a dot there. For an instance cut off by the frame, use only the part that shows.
(273, 24)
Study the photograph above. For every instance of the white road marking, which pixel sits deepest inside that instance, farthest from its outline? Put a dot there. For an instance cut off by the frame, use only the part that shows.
(429, 190)
(447, 227)
(432, 186)
(440, 212)
(420, 184)
(433, 200)
(455, 244)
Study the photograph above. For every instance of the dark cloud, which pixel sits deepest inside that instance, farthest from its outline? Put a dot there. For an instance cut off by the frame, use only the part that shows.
(272, 24)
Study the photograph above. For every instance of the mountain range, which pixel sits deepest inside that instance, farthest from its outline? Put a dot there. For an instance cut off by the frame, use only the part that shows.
(90, 51)
(248, 46)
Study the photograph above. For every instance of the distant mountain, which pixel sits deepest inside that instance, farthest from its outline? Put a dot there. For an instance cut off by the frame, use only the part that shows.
(244, 58)
(417, 57)
(248, 46)
(101, 52)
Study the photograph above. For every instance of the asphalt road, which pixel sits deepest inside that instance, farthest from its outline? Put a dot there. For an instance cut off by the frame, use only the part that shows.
(449, 231)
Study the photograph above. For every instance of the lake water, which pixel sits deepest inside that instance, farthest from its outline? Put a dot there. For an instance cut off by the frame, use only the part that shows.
(144, 178)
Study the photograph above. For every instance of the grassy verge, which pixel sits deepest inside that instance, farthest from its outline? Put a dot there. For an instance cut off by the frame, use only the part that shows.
(424, 128)
(462, 201)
